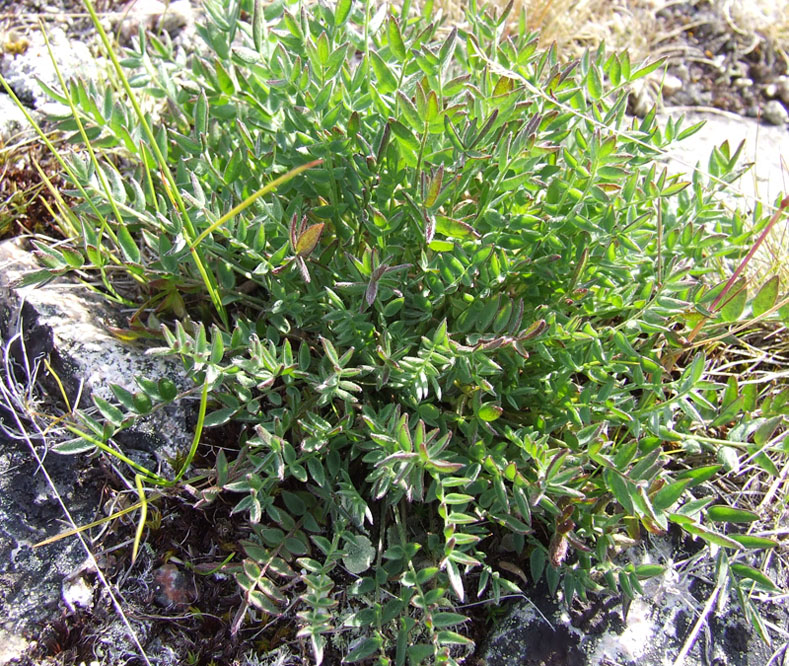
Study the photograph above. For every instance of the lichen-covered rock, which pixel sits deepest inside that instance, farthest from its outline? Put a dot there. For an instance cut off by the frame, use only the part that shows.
(775, 113)
(42, 493)
(649, 631)
(31, 579)
(23, 70)
(69, 326)
(155, 15)
(12, 120)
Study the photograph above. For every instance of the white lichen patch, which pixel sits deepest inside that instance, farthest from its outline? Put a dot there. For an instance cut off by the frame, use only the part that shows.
(77, 593)
(12, 646)
(632, 643)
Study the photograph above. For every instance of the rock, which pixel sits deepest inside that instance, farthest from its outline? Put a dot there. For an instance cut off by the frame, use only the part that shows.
(12, 120)
(759, 72)
(12, 647)
(70, 326)
(782, 85)
(31, 579)
(156, 15)
(541, 632)
(77, 593)
(642, 98)
(64, 325)
(764, 147)
(775, 113)
(174, 588)
(22, 70)
(671, 85)
(743, 82)
(681, 71)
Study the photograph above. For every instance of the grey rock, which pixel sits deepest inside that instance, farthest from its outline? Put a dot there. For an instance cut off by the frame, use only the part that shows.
(63, 324)
(775, 113)
(23, 70)
(12, 119)
(70, 325)
(12, 647)
(671, 85)
(652, 632)
(764, 148)
(782, 85)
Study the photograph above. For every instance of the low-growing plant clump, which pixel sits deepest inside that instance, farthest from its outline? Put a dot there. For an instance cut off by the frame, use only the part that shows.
(445, 295)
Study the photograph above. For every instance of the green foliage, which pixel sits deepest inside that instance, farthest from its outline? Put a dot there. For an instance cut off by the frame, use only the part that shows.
(464, 321)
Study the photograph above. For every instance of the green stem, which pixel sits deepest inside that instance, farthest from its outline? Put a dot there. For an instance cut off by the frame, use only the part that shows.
(196, 438)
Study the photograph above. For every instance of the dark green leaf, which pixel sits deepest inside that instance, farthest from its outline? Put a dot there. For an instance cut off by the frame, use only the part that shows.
(128, 246)
(108, 411)
(669, 494)
(73, 447)
(593, 83)
(720, 513)
(698, 475)
(767, 296)
(734, 302)
(396, 39)
(367, 648)
(753, 542)
(745, 571)
(258, 25)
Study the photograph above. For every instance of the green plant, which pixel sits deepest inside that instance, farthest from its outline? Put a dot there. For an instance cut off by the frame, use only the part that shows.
(445, 293)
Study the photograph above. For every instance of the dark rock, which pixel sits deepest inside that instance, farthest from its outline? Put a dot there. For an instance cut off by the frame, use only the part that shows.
(43, 493)
(174, 588)
(31, 579)
(542, 632)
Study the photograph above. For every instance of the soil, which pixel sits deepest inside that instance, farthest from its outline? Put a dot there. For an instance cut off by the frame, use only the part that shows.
(719, 67)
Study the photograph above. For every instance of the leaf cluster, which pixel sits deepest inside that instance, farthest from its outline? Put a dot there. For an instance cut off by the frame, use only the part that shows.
(442, 285)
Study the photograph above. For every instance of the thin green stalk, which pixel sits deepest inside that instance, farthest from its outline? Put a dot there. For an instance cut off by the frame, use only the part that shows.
(143, 515)
(95, 523)
(419, 158)
(210, 572)
(64, 212)
(55, 153)
(135, 274)
(746, 260)
(149, 181)
(196, 439)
